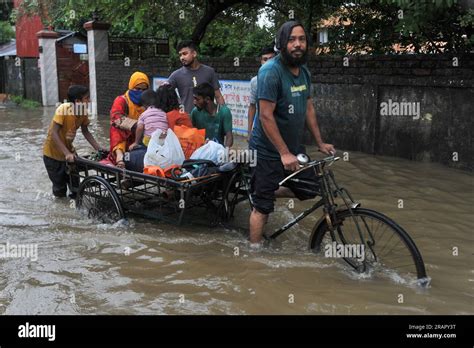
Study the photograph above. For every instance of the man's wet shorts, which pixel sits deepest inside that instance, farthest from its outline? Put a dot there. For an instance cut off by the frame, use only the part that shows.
(264, 182)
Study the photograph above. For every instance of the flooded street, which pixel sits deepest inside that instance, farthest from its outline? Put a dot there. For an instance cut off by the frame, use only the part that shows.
(81, 267)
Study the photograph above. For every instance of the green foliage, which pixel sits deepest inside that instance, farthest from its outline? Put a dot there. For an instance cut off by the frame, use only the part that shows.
(16, 99)
(5, 10)
(6, 32)
(431, 22)
(30, 104)
(234, 32)
(24, 103)
(423, 26)
(376, 25)
(467, 22)
(236, 35)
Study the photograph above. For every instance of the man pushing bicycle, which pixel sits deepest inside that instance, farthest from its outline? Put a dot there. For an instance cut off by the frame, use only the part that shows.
(284, 106)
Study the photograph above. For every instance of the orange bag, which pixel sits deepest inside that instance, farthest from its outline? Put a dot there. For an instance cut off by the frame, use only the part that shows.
(154, 170)
(190, 139)
(158, 171)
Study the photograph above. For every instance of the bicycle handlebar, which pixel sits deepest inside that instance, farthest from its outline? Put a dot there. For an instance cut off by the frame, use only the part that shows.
(330, 159)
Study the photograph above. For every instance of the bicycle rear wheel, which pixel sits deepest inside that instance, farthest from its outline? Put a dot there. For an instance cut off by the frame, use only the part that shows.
(369, 241)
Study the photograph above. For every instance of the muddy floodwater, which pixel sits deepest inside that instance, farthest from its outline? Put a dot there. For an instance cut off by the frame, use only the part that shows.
(148, 267)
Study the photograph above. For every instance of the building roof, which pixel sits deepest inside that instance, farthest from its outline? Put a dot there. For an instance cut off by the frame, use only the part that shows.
(65, 34)
(8, 49)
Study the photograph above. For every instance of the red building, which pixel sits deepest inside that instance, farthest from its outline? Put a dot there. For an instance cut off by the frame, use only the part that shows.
(26, 39)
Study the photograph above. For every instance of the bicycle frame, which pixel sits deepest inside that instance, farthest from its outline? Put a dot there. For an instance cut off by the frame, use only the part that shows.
(329, 190)
(298, 218)
(323, 201)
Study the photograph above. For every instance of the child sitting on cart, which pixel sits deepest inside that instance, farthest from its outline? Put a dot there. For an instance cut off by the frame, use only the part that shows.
(152, 119)
(167, 100)
(58, 148)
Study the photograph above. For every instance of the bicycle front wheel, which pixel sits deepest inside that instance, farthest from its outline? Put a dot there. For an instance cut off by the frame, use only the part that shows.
(368, 241)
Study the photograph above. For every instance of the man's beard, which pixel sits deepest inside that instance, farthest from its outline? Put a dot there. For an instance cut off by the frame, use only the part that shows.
(294, 61)
(188, 64)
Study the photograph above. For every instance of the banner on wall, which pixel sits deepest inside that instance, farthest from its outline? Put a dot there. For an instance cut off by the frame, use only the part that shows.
(158, 81)
(236, 95)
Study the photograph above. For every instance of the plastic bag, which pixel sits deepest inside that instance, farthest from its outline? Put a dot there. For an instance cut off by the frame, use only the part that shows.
(190, 139)
(211, 151)
(164, 155)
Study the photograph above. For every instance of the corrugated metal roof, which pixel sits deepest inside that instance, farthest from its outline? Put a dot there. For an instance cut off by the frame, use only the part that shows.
(8, 49)
(64, 34)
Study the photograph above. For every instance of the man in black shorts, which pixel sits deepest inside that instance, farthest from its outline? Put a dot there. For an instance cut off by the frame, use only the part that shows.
(284, 106)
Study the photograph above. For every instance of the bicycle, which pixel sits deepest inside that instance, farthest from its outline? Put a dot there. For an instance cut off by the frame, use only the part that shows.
(385, 244)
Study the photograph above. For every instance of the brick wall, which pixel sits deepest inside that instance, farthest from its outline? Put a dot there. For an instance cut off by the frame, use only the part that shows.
(348, 99)
(113, 77)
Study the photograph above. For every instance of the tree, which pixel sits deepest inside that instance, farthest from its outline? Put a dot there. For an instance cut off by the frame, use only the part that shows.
(6, 32)
(375, 26)
(6, 8)
(228, 27)
(176, 20)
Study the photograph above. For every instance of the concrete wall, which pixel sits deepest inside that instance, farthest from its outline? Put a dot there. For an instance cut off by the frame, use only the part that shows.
(22, 80)
(348, 102)
(348, 95)
(14, 77)
(32, 79)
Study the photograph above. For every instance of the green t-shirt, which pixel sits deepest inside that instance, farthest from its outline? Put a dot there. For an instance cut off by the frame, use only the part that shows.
(216, 126)
(290, 94)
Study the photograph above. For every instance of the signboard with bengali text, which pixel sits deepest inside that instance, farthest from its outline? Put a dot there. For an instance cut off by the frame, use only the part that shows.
(236, 95)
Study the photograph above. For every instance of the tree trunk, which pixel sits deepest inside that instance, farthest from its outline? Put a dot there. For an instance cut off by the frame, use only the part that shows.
(201, 26)
(213, 9)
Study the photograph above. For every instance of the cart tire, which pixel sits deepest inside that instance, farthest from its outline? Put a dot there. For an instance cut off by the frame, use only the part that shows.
(230, 196)
(99, 200)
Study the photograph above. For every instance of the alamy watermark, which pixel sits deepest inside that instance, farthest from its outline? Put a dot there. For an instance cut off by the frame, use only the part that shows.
(37, 331)
(10, 250)
(238, 156)
(336, 250)
(394, 108)
(75, 109)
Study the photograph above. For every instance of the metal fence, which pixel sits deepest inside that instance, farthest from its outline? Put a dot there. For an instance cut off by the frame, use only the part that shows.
(137, 48)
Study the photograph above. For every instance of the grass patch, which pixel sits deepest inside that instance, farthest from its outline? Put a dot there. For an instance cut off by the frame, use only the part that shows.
(24, 103)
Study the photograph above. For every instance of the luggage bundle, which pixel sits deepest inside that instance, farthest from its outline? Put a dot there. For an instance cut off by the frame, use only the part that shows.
(183, 155)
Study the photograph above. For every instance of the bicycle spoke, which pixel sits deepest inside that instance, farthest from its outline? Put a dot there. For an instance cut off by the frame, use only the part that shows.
(401, 248)
(386, 244)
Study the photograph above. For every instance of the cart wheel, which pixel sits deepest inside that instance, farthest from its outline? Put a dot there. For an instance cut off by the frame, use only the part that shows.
(231, 196)
(98, 198)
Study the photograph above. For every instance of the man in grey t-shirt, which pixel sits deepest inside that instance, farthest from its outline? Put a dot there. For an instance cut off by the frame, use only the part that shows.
(265, 54)
(191, 74)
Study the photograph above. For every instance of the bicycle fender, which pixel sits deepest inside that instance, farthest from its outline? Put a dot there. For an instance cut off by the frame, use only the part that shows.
(322, 220)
